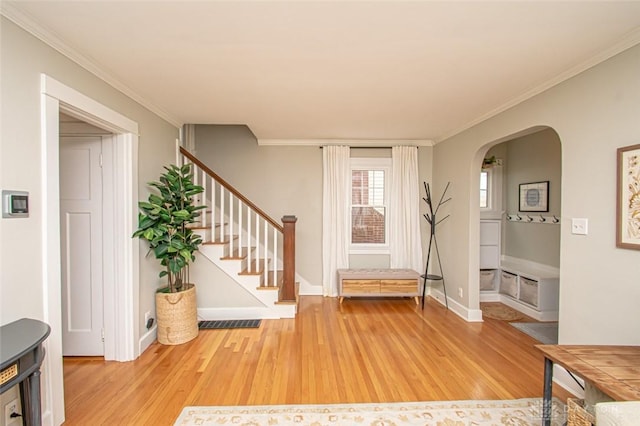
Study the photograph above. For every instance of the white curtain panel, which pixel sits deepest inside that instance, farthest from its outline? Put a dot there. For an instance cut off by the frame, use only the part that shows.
(336, 190)
(404, 209)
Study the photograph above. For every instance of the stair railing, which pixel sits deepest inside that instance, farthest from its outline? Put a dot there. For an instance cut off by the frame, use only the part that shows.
(255, 228)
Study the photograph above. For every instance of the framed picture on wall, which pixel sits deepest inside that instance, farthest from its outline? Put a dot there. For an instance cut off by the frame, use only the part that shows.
(534, 197)
(628, 198)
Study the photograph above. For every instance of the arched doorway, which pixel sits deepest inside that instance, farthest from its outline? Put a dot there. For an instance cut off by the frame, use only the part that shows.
(519, 253)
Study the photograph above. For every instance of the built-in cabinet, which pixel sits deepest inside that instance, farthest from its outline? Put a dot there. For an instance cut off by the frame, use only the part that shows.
(490, 243)
(490, 237)
(526, 286)
(532, 289)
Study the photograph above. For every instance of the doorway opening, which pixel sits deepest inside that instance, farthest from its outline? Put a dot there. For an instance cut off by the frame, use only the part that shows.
(86, 225)
(519, 253)
(120, 306)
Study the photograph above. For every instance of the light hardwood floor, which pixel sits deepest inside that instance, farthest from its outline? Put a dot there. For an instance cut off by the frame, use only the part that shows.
(365, 350)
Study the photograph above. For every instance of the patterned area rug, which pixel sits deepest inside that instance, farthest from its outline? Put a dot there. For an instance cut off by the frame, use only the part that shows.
(517, 412)
(543, 332)
(498, 311)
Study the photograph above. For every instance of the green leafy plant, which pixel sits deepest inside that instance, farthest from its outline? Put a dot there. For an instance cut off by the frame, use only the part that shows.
(163, 221)
(489, 162)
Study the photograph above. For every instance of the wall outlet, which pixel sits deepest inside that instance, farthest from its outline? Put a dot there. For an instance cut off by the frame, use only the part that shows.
(10, 408)
(147, 317)
(460, 292)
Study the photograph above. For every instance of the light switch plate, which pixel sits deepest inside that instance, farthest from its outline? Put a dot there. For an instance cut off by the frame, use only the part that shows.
(579, 226)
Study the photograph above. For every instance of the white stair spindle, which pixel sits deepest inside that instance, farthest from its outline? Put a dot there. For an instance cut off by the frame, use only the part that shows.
(203, 196)
(240, 208)
(275, 256)
(266, 254)
(213, 209)
(221, 213)
(257, 240)
(231, 220)
(249, 251)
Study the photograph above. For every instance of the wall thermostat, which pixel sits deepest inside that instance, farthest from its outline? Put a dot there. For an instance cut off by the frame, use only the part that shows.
(15, 203)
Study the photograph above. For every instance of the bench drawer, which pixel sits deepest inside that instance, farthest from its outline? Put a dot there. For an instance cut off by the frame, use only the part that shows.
(360, 286)
(399, 286)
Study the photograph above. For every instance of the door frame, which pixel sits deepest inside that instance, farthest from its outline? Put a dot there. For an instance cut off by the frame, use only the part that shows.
(121, 298)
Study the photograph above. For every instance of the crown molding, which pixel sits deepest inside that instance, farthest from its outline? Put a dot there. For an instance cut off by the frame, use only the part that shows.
(28, 24)
(626, 42)
(373, 143)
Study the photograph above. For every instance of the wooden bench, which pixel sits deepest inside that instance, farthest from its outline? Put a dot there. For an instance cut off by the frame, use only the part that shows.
(378, 283)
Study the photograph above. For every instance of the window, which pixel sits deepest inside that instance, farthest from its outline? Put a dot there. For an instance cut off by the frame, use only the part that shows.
(484, 189)
(369, 208)
(491, 191)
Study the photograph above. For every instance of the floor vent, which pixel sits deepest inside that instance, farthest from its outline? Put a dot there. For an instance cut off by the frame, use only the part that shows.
(223, 324)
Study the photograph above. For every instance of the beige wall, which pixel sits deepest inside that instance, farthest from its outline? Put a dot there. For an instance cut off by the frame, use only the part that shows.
(593, 114)
(24, 58)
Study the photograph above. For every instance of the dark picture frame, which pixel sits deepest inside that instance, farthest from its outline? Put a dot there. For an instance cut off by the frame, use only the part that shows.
(534, 196)
(628, 197)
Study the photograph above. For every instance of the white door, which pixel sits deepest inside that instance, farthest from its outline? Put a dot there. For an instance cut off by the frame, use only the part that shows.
(81, 245)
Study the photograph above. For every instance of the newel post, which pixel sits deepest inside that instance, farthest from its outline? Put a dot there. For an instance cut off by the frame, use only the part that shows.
(288, 293)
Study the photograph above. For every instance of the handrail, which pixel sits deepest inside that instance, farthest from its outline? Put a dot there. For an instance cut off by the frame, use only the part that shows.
(231, 189)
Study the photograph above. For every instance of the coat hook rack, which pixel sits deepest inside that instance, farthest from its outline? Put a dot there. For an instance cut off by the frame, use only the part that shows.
(549, 220)
(431, 218)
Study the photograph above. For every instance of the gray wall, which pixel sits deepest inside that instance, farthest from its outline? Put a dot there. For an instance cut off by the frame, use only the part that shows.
(532, 158)
(593, 113)
(287, 180)
(282, 180)
(23, 60)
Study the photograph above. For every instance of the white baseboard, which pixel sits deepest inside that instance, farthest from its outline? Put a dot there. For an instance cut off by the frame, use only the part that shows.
(256, 312)
(469, 315)
(537, 315)
(307, 289)
(492, 296)
(147, 339)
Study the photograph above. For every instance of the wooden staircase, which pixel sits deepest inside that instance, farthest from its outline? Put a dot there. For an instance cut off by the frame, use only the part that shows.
(253, 249)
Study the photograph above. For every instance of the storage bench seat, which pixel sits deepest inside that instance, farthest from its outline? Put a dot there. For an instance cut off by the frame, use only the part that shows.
(378, 283)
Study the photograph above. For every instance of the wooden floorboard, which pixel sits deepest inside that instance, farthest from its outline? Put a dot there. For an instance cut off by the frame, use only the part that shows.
(363, 350)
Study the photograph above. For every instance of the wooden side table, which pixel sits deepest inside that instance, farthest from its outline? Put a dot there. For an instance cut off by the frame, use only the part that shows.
(614, 370)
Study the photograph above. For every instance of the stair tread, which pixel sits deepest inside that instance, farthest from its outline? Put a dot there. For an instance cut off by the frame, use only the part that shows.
(238, 254)
(207, 226)
(226, 239)
(255, 268)
(271, 284)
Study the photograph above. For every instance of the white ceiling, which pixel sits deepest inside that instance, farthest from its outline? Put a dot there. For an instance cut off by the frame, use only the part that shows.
(333, 70)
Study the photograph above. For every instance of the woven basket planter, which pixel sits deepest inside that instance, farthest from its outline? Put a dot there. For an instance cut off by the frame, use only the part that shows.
(177, 316)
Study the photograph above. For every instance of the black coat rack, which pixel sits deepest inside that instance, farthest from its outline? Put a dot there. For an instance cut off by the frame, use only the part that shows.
(430, 216)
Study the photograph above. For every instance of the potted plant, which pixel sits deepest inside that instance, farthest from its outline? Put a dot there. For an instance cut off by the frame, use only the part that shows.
(163, 222)
(487, 163)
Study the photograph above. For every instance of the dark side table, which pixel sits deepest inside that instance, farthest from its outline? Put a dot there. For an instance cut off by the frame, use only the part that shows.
(21, 355)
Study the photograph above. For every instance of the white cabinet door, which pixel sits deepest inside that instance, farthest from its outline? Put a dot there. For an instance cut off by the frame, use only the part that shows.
(490, 244)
